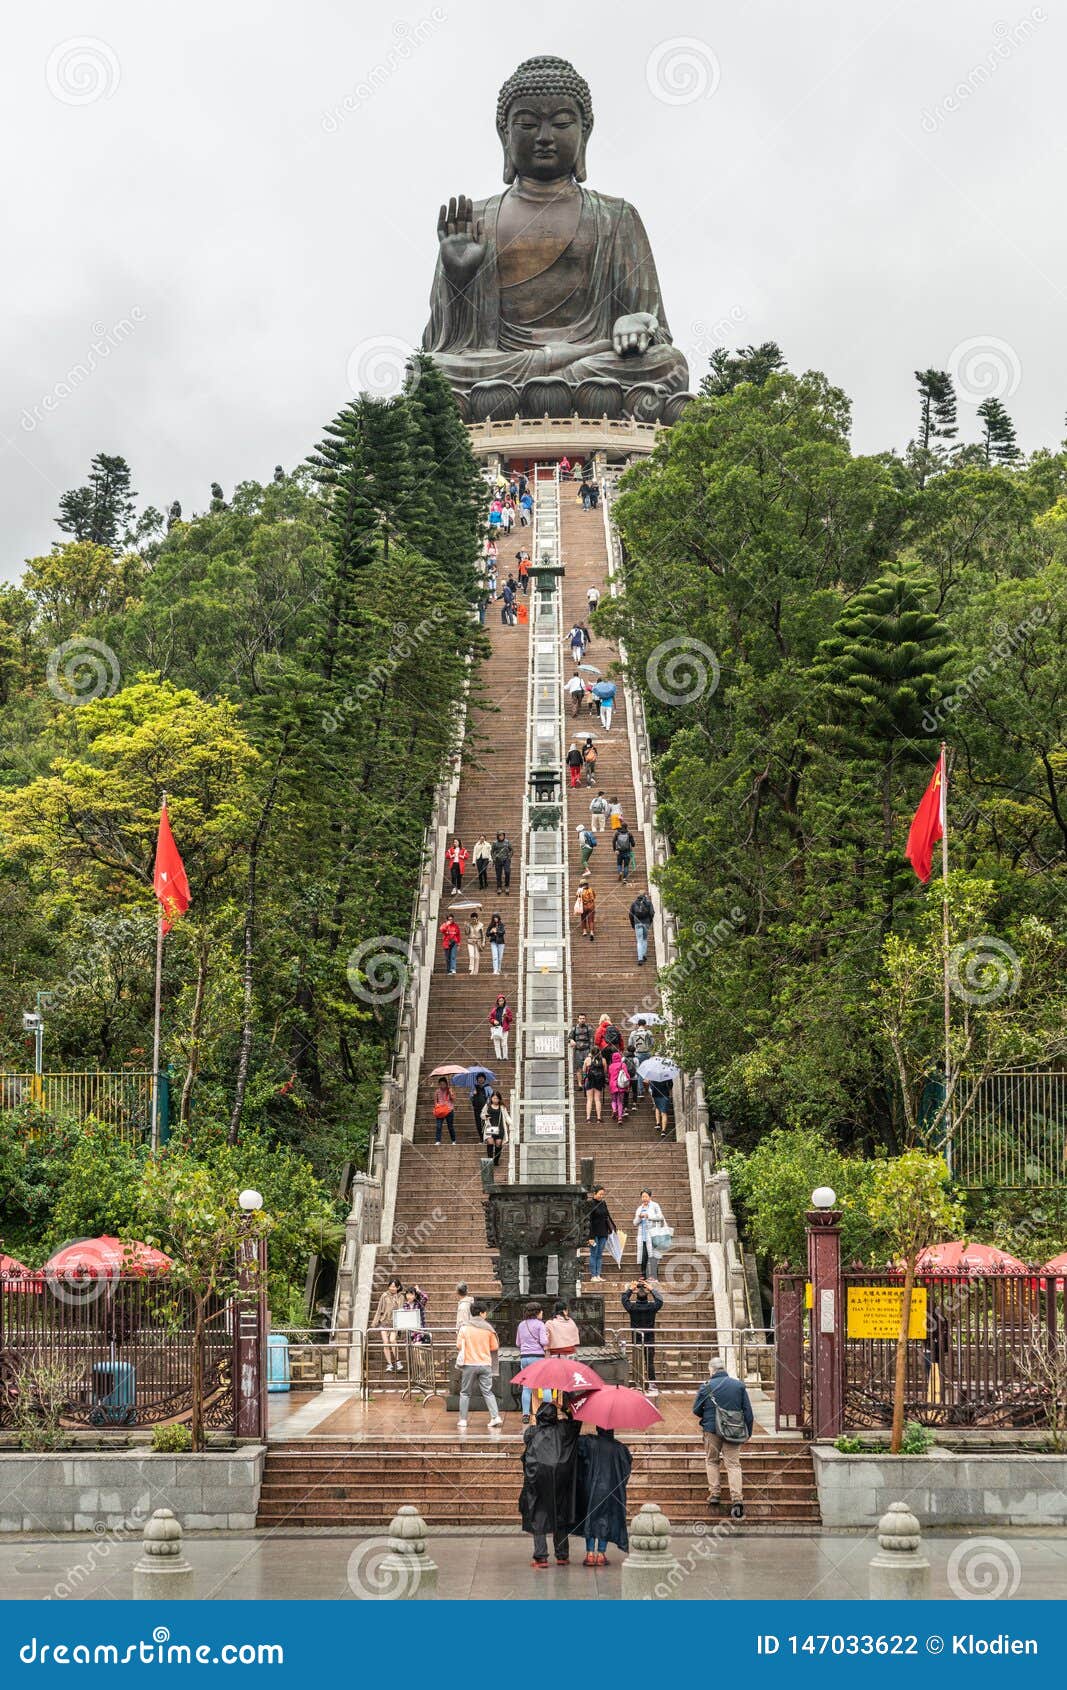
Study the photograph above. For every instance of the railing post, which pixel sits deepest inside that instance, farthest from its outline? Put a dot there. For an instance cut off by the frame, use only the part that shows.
(827, 1323)
(789, 1352)
(250, 1340)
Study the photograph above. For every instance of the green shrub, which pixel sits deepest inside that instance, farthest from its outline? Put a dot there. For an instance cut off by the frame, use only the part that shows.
(917, 1439)
(171, 1440)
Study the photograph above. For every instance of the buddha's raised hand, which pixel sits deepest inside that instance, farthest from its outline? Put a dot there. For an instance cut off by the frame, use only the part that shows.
(462, 246)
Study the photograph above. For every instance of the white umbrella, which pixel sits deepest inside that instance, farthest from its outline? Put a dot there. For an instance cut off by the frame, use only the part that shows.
(655, 1068)
(646, 1018)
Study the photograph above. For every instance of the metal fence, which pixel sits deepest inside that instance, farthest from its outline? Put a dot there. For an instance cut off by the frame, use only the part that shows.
(121, 1100)
(109, 1352)
(1013, 1134)
(975, 1364)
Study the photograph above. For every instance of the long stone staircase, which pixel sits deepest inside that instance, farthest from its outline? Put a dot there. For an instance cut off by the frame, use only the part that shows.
(438, 1234)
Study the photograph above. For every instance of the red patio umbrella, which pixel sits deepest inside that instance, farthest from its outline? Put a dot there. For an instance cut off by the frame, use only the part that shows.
(105, 1258)
(1057, 1264)
(18, 1277)
(617, 1407)
(559, 1373)
(960, 1257)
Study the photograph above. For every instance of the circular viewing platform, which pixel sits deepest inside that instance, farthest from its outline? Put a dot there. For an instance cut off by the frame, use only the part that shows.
(619, 438)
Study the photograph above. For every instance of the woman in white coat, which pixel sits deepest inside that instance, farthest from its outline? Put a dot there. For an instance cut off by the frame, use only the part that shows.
(649, 1224)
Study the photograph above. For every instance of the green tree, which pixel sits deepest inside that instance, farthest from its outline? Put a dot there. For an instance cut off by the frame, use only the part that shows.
(998, 433)
(773, 1184)
(751, 363)
(911, 1205)
(937, 419)
(196, 1219)
(104, 510)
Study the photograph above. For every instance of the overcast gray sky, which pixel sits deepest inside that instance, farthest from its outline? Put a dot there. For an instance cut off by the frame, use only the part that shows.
(222, 216)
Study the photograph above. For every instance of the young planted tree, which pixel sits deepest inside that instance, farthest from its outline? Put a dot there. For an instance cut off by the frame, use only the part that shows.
(197, 1220)
(911, 1205)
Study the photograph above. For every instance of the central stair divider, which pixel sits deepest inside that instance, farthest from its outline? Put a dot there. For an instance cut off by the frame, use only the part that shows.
(544, 1113)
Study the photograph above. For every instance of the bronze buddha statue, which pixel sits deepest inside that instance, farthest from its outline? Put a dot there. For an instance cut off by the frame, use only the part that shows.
(545, 300)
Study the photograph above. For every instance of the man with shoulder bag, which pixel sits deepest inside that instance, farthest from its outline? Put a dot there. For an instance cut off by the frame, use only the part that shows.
(724, 1410)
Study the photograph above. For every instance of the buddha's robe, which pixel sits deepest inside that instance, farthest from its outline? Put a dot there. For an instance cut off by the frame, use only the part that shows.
(558, 322)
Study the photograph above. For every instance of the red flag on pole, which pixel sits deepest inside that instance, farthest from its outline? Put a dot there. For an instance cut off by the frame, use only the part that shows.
(927, 824)
(169, 879)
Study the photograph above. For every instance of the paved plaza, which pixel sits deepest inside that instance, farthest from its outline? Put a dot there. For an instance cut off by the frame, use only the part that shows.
(495, 1566)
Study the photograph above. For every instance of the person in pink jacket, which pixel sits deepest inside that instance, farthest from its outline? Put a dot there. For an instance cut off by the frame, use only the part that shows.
(618, 1084)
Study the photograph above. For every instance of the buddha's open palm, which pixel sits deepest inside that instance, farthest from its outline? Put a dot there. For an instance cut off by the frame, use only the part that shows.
(462, 246)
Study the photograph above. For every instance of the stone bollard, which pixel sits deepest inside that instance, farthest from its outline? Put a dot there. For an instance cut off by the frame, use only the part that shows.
(650, 1572)
(162, 1574)
(900, 1571)
(407, 1573)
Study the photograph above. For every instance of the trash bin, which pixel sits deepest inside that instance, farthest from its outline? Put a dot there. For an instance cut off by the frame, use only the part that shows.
(278, 1375)
(114, 1394)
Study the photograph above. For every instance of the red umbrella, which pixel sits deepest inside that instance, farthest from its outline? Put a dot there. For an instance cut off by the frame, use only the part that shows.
(17, 1277)
(1057, 1265)
(105, 1258)
(558, 1373)
(960, 1257)
(447, 1069)
(617, 1407)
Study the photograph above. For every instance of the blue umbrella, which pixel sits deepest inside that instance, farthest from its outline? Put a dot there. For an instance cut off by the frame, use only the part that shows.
(468, 1079)
(604, 690)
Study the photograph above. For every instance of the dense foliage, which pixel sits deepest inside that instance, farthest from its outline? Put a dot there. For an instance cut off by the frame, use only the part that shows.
(287, 666)
(806, 625)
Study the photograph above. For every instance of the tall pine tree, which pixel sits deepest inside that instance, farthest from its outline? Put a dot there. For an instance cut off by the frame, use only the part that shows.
(998, 433)
(448, 474)
(103, 510)
(937, 418)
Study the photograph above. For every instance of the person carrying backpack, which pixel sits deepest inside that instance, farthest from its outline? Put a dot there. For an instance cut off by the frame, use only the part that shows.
(642, 914)
(585, 904)
(724, 1410)
(624, 851)
(588, 842)
(594, 1079)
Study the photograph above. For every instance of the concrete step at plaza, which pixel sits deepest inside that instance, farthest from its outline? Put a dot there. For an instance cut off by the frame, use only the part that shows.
(454, 1483)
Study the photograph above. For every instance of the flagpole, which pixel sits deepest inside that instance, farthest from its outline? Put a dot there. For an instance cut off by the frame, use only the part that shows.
(945, 953)
(155, 1025)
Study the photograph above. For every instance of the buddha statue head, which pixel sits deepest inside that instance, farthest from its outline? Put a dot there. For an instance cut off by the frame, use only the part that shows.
(544, 117)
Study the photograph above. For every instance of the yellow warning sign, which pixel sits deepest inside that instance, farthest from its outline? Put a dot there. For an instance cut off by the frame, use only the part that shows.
(874, 1311)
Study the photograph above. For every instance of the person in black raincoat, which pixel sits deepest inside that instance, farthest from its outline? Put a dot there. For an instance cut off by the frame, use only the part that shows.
(548, 1501)
(603, 1474)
